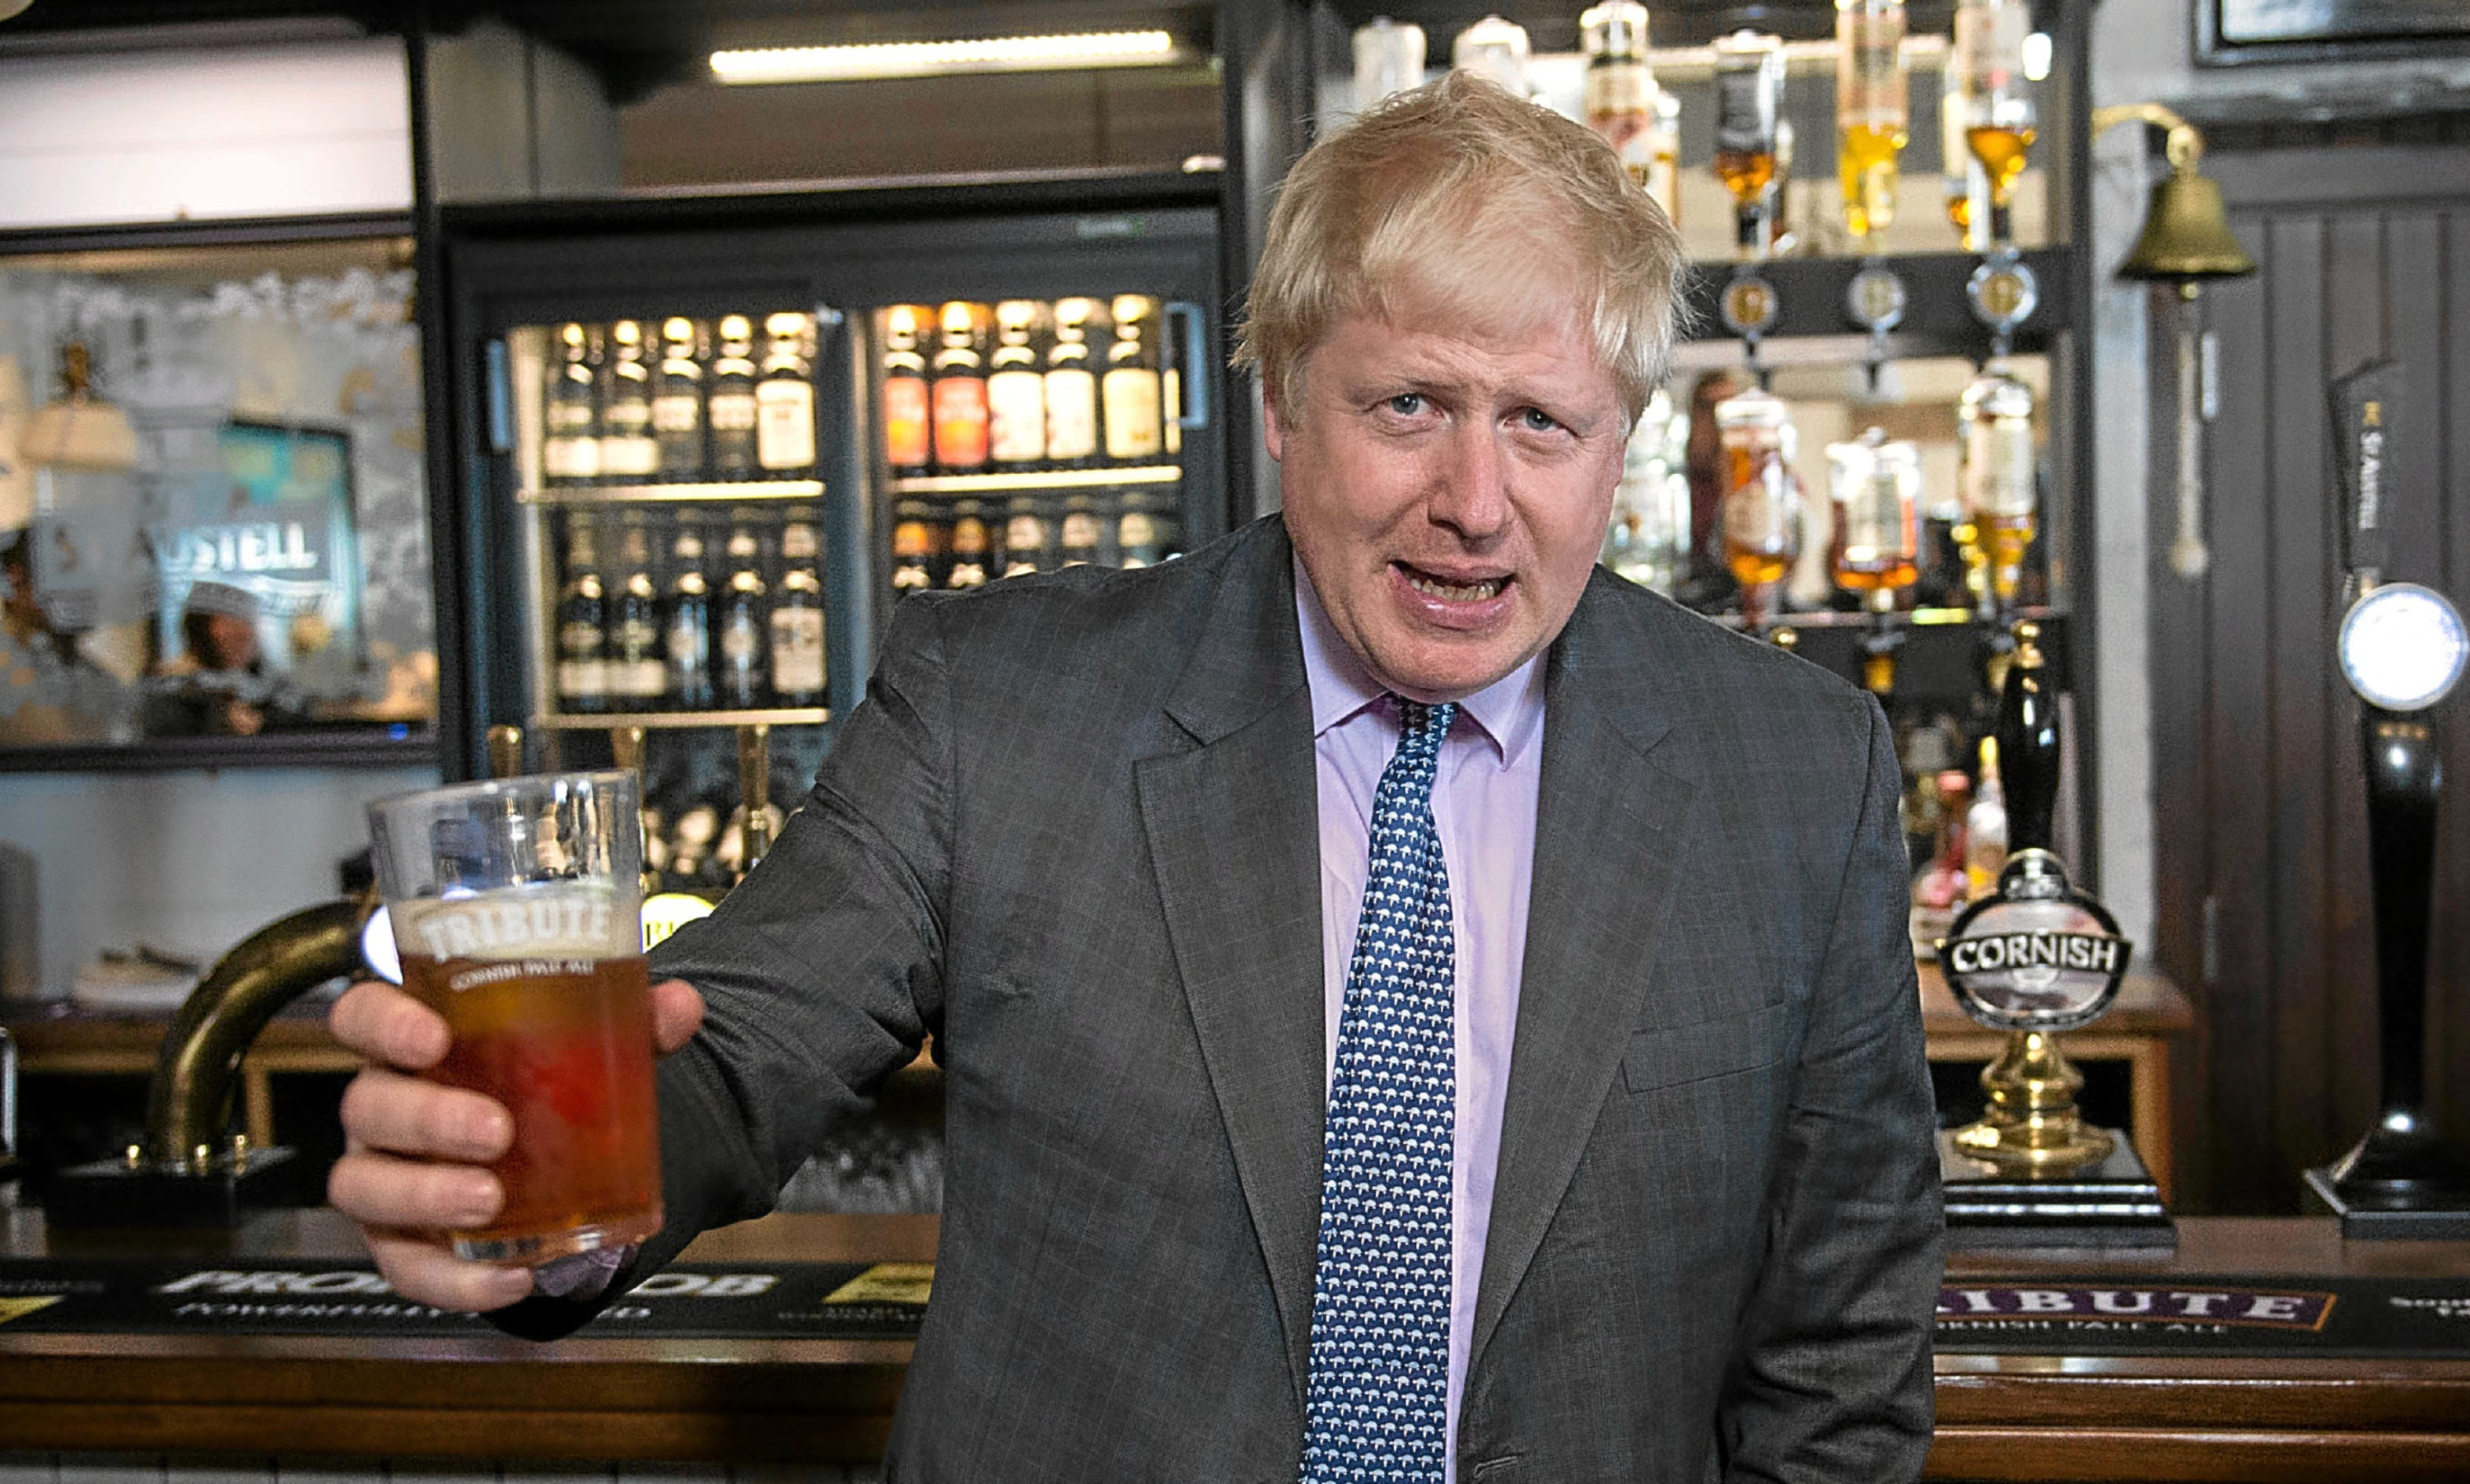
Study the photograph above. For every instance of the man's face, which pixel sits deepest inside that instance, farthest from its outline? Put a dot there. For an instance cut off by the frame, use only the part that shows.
(1448, 495)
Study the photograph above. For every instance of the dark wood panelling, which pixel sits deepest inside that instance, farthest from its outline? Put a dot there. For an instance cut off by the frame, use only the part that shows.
(2260, 806)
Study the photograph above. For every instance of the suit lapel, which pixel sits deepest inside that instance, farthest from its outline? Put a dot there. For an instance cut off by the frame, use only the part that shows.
(1234, 834)
(1608, 822)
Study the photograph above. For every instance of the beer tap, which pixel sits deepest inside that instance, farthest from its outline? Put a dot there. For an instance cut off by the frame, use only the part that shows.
(2402, 648)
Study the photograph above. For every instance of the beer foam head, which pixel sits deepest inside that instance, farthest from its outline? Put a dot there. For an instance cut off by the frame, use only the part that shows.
(550, 919)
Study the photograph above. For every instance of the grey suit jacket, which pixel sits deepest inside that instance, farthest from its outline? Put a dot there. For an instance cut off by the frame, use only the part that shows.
(1072, 834)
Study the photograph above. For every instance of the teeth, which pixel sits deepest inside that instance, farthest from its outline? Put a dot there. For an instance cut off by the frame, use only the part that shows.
(1488, 587)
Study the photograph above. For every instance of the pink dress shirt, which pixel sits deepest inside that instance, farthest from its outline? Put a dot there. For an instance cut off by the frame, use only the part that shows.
(1484, 803)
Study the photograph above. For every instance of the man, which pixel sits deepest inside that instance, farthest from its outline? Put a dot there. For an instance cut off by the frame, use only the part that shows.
(1412, 1006)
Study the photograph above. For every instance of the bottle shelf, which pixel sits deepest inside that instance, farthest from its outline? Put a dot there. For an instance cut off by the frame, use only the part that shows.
(1901, 619)
(677, 721)
(1038, 479)
(736, 492)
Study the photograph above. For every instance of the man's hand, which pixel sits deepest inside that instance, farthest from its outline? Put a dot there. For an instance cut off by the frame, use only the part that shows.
(416, 1154)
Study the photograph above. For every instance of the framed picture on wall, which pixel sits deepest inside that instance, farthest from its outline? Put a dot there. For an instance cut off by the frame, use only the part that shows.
(2231, 31)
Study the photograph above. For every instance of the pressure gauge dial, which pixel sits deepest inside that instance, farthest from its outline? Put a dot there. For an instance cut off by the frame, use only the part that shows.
(2403, 647)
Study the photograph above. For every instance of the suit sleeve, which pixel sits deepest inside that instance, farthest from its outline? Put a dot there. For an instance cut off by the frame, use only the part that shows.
(821, 972)
(1835, 1378)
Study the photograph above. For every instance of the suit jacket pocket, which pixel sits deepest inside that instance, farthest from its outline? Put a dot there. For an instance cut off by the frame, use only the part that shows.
(1672, 1054)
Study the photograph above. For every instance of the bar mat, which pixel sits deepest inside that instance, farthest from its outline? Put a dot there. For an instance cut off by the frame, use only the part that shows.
(846, 1300)
(2117, 1315)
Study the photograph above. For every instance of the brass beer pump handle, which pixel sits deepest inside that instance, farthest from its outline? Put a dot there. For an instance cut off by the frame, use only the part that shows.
(190, 1099)
(2030, 1125)
(755, 790)
(505, 752)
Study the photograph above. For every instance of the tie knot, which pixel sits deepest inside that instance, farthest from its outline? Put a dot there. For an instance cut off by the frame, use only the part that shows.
(1417, 721)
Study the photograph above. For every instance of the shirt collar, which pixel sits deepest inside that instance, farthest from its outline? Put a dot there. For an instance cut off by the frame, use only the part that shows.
(1509, 711)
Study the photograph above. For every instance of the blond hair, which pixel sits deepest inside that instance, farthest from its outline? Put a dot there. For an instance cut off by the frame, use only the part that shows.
(1461, 201)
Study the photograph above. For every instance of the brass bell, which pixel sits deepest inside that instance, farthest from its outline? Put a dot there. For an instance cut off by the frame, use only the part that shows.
(2187, 235)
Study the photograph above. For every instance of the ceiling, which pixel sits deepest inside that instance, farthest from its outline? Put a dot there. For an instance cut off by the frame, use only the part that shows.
(634, 45)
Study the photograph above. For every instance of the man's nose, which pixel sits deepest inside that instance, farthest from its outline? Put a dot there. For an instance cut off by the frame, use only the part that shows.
(1471, 486)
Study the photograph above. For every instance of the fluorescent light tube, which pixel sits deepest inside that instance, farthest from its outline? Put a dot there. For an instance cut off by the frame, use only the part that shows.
(929, 59)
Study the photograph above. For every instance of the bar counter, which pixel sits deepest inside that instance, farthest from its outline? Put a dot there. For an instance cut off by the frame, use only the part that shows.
(2008, 1416)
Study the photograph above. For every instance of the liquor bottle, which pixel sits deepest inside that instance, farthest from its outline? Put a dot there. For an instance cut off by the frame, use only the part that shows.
(582, 621)
(571, 414)
(1663, 154)
(1647, 539)
(907, 442)
(1025, 537)
(974, 558)
(1389, 58)
(628, 454)
(637, 675)
(1872, 111)
(1875, 487)
(1132, 391)
(1940, 888)
(1986, 60)
(2001, 480)
(785, 399)
(1620, 91)
(1493, 48)
(1749, 93)
(917, 541)
(1078, 543)
(1985, 827)
(677, 401)
(1015, 388)
(798, 615)
(688, 622)
(1072, 385)
(730, 409)
(1760, 516)
(741, 630)
(961, 391)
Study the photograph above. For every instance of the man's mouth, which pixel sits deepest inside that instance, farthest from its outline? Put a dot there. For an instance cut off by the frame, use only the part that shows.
(1451, 589)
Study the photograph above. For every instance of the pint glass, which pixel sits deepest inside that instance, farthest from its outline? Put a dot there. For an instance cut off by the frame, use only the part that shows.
(517, 909)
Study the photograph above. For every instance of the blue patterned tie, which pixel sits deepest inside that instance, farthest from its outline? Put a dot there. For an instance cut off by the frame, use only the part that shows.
(1378, 1399)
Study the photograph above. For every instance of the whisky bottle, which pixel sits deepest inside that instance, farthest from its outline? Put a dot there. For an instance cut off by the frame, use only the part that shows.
(1072, 384)
(1132, 389)
(1620, 91)
(907, 440)
(688, 622)
(1761, 515)
(637, 674)
(730, 409)
(628, 454)
(677, 401)
(741, 630)
(1875, 487)
(570, 411)
(1985, 827)
(785, 399)
(1939, 889)
(1141, 537)
(582, 621)
(798, 615)
(1873, 112)
(1015, 388)
(960, 397)
(1497, 49)
(974, 557)
(1988, 62)
(2001, 480)
(916, 536)
(1749, 93)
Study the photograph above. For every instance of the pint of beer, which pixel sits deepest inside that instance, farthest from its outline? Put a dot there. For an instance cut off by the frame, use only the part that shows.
(517, 909)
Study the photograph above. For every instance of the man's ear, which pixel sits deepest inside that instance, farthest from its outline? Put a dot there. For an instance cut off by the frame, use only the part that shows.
(1273, 436)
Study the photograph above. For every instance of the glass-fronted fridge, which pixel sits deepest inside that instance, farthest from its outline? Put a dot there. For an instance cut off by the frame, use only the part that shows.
(705, 446)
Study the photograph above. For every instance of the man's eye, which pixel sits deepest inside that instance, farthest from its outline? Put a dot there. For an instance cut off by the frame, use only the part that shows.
(1537, 420)
(1407, 403)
